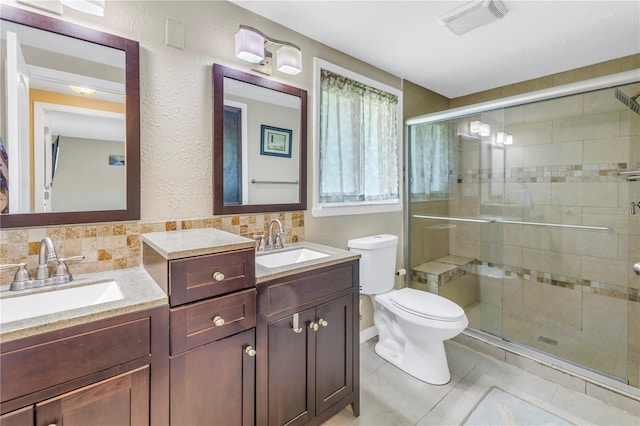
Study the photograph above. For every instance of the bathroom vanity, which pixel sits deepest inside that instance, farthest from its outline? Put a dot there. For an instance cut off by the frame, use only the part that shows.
(96, 362)
(234, 343)
(237, 354)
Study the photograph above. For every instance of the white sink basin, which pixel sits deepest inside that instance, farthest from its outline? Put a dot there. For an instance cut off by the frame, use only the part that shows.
(33, 305)
(290, 257)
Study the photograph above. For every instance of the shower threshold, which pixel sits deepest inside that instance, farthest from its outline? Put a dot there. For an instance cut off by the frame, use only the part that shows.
(595, 377)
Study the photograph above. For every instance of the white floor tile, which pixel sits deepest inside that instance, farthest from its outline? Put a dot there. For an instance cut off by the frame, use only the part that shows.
(391, 397)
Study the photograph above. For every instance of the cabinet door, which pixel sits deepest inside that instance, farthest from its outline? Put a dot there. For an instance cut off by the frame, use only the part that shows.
(214, 384)
(121, 400)
(21, 417)
(334, 352)
(291, 370)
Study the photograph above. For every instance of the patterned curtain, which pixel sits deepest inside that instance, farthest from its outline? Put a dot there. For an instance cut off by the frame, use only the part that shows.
(431, 150)
(358, 142)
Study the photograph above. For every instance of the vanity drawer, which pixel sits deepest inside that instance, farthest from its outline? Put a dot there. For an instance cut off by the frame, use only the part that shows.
(201, 277)
(61, 359)
(193, 325)
(297, 290)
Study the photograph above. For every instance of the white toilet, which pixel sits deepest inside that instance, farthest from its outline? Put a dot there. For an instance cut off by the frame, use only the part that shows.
(412, 324)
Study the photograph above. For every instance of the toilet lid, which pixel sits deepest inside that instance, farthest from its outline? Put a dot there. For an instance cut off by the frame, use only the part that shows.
(426, 305)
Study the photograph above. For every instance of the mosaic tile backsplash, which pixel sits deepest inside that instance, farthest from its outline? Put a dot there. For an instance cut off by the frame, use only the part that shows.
(109, 246)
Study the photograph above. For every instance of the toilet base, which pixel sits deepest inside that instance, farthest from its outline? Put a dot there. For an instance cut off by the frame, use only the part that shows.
(428, 364)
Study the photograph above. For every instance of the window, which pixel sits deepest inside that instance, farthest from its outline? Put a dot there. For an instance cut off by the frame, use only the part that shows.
(358, 149)
(430, 160)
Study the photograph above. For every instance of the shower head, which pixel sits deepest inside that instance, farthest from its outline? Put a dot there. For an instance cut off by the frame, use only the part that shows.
(629, 101)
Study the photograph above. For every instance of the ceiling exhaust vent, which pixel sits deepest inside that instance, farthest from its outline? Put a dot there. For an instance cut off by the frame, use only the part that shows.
(472, 15)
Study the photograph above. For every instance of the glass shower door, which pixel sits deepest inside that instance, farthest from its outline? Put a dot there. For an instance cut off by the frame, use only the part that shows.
(570, 293)
(529, 218)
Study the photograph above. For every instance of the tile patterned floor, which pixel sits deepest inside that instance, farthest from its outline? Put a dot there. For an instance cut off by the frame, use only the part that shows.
(392, 397)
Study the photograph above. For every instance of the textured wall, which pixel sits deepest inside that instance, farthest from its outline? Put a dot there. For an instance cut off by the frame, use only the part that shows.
(176, 107)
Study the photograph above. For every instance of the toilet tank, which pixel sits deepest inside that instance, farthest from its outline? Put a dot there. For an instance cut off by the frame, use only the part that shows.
(377, 262)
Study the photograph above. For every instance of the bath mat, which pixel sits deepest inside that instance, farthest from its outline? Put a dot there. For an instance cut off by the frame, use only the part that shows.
(498, 407)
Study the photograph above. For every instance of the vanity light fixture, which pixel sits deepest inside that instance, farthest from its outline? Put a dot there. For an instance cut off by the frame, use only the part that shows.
(504, 138)
(82, 90)
(253, 46)
(92, 7)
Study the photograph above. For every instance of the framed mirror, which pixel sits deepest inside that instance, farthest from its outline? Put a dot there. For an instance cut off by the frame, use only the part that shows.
(259, 144)
(70, 123)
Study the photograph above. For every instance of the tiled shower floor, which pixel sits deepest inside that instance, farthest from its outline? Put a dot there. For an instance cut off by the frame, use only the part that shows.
(392, 397)
(605, 353)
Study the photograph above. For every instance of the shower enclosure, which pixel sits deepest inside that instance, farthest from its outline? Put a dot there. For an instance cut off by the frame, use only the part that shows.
(526, 212)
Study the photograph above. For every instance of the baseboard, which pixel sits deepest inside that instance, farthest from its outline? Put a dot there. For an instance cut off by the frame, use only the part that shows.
(368, 333)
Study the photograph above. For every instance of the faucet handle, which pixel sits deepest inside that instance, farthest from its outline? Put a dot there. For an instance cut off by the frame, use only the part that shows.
(21, 274)
(21, 278)
(62, 269)
(260, 242)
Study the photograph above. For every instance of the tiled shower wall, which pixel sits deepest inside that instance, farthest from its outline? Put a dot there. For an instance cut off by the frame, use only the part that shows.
(562, 168)
(109, 246)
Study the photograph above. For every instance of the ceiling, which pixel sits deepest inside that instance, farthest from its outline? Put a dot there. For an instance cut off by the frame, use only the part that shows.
(404, 38)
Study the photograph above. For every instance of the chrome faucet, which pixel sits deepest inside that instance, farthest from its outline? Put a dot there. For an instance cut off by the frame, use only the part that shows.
(274, 240)
(61, 275)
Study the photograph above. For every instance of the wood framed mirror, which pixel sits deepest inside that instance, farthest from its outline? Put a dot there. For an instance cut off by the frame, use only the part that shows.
(259, 144)
(70, 176)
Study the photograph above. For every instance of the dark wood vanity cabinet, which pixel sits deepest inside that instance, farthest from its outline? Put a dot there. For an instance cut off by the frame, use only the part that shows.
(98, 373)
(308, 366)
(212, 334)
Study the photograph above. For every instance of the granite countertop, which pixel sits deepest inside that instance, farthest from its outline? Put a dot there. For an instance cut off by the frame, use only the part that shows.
(140, 293)
(195, 242)
(335, 256)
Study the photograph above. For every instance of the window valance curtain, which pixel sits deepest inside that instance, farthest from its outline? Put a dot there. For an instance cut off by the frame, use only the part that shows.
(358, 142)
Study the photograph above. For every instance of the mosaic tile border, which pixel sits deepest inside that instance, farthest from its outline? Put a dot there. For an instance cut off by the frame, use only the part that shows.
(435, 281)
(589, 286)
(111, 246)
(575, 173)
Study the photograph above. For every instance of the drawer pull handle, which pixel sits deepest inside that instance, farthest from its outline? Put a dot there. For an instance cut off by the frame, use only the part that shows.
(313, 325)
(250, 351)
(323, 322)
(218, 276)
(218, 321)
(296, 324)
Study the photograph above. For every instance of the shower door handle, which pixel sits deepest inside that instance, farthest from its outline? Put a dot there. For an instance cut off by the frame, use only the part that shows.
(636, 268)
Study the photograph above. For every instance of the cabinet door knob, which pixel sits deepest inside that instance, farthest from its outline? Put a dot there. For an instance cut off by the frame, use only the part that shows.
(313, 325)
(323, 322)
(218, 321)
(250, 351)
(218, 276)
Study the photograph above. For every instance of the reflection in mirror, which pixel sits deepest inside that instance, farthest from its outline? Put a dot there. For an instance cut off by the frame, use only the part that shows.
(71, 129)
(259, 144)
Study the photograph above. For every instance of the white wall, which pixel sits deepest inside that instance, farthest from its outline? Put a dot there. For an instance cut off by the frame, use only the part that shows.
(84, 180)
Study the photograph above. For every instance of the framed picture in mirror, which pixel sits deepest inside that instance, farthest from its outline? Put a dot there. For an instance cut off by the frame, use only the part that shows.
(275, 141)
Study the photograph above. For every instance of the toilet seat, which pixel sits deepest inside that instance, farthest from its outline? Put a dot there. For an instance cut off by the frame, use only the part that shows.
(426, 305)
